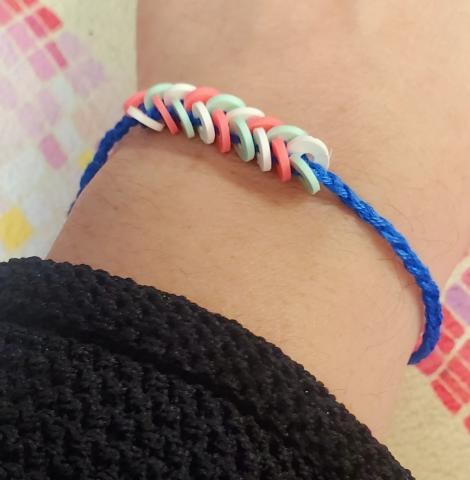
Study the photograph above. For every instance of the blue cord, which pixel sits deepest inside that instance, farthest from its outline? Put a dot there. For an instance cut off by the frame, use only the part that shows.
(411, 262)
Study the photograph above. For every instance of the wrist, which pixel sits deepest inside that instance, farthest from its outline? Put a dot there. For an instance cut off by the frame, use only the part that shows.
(302, 272)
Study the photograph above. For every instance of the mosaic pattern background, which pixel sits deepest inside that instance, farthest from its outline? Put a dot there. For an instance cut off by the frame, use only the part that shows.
(50, 87)
(64, 70)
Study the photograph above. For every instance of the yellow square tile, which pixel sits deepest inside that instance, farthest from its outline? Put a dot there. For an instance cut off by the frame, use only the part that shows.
(85, 158)
(14, 229)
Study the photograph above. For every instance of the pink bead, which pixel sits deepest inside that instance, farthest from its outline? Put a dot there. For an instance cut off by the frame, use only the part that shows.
(135, 100)
(283, 169)
(167, 118)
(201, 94)
(265, 123)
(222, 137)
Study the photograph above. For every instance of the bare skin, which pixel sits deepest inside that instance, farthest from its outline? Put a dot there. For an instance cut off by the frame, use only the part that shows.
(386, 87)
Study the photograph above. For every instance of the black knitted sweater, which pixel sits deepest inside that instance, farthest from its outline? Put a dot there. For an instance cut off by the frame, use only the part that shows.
(103, 379)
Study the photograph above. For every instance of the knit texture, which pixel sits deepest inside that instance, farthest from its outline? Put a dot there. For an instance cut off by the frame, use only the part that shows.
(103, 379)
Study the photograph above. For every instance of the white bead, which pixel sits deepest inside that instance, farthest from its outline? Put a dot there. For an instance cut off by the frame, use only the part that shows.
(263, 156)
(315, 149)
(244, 113)
(177, 92)
(140, 116)
(206, 130)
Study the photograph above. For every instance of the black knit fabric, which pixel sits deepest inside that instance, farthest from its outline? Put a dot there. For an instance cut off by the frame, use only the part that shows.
(103, 379)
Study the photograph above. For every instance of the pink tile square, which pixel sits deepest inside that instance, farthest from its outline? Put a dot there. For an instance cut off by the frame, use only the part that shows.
(5, 15)
(465, 352)
(454, 387)
(56, 54)
(430, 364)
(460, 370)
(446, 344)
(52, 151)
(14, 5)
(458, 299)
(49, 18)
(22, 37)
(8, 95)
(451, 325)
(446, 397)
(42, 65)
(48, 106)
(35, 26)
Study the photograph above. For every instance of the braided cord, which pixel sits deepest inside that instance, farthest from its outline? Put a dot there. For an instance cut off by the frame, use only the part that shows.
(401, 247)
(398, 243)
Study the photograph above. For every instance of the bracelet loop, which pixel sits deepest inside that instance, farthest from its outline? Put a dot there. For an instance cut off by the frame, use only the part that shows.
(221, 118)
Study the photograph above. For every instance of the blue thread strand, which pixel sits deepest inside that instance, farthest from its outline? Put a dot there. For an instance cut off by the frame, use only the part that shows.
(110, 139)
(398, 243)
(411, 262)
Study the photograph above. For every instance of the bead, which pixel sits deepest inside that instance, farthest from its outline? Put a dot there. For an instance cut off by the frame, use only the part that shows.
(263, 156)
(306, 176)
(265, 123)
(316, 150)
(222, 137)
(165, 114)
(158, 89)
(244, 113)
(246, 147)
(283, 168)
(206, 131)
(201, 94)
(177, 92)
(183, 116)
(224, 101)
(140, 116)
(286, 132)
(134, 100)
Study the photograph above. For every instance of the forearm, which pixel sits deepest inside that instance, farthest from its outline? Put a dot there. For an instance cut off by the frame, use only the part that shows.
(174, 214)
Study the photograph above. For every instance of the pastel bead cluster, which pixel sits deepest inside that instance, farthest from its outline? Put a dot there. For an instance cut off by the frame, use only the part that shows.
(225, 120)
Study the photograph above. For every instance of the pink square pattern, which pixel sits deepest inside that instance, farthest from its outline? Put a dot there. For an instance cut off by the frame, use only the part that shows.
(42, 65)
(52, 151)
(5, 15)
(56, 54)
(22, 37)
(35, 26)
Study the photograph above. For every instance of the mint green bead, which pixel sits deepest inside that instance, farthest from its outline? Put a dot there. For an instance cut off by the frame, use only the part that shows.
(286, 132)
(185, 121)
(306, 176)
(225, 102)
(157, 89)
(246, 147)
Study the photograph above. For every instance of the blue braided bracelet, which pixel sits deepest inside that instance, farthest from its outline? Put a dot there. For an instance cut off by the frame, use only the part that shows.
(226, 120)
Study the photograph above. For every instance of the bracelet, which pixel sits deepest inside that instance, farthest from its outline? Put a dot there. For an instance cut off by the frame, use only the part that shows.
(225, 120)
